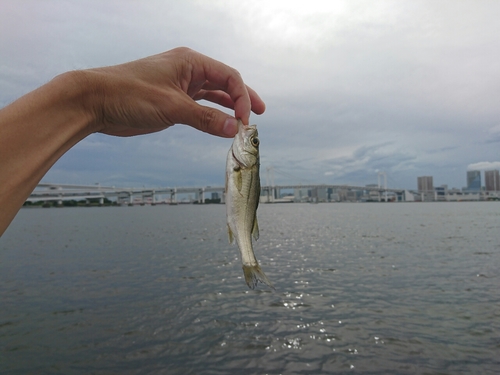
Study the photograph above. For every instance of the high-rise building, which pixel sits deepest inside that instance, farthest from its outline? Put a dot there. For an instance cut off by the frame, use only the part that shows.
(425, 184)
(492, 180)
(473, 180)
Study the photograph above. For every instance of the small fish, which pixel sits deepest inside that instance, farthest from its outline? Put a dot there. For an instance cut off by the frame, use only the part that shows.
(242, 199)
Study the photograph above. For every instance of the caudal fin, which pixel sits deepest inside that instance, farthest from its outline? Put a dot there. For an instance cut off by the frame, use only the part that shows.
(254, 274)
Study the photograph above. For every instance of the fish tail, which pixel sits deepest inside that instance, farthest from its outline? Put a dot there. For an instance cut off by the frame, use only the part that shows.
(254, 274)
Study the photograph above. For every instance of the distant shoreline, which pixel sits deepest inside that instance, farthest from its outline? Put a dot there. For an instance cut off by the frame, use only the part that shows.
(40, 206)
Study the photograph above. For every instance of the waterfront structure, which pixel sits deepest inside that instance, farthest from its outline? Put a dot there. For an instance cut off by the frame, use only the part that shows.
(492, 180)
(305, 193)
(474, 180)
(441, 193)
(464, 196)
(425, 184)
(97, 194)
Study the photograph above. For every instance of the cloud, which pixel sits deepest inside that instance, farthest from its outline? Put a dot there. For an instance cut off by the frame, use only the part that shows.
(366, 161)
(351, 87)
(484, 166)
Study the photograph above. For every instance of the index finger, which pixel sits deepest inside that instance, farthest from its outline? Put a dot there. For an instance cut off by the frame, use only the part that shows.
(214, 94)
(228, 80)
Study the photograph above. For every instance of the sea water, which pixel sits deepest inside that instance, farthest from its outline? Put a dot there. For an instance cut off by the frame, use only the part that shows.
(372, 288)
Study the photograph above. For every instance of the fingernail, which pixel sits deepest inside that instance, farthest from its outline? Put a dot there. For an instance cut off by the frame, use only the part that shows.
(230, 127)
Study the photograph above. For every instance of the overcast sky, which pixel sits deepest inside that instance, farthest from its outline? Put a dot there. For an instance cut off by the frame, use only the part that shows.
(352, 88)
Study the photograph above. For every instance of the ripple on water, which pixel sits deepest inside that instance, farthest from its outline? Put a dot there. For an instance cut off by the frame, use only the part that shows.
(159, 290)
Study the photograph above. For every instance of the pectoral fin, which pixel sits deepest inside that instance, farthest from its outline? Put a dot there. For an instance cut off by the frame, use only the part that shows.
(238, 179)
(255, 229)
(230, 234)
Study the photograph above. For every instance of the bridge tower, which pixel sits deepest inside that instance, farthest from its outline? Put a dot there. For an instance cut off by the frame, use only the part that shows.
(201, 196)
(384, 175)
(270, 183)
(172, 196)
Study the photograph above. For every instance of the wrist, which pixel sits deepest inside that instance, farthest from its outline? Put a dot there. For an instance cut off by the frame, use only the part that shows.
(81, 95)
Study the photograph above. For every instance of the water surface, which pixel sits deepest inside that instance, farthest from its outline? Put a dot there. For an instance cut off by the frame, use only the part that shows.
(400, 288)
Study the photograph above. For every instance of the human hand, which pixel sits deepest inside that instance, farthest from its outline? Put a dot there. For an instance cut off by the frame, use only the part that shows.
(154, 93)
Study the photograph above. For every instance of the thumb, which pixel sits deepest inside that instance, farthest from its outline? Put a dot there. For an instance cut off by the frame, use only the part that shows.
(208, 120)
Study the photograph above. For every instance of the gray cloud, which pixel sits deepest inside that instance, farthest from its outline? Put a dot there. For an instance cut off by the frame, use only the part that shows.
(483, 166)
(351, 88)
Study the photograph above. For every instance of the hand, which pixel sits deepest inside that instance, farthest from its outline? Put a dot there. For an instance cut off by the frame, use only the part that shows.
(154, 93)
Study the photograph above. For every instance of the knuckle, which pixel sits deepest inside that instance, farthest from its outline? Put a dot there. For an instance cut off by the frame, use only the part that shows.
(182, 50)
(236, 73)
(208, 120)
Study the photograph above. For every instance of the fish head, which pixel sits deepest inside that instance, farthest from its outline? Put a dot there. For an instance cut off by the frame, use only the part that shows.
(246, 145)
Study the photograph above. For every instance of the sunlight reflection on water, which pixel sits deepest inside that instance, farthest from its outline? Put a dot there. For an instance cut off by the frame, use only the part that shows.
(376, 288)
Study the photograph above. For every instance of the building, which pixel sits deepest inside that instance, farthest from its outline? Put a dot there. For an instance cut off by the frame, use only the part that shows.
(474, 180)
(492, 180)
(425, 184)
(441, 193)
(300, 195)
(318, 194)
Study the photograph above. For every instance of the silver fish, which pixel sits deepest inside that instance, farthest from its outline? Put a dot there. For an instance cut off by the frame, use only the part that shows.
(242, 199)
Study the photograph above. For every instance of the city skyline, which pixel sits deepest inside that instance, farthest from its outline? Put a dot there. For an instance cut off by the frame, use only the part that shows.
(423, 183)
(473, 181)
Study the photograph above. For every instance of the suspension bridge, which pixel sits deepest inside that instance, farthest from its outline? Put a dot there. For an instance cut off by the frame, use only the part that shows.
(47, 192)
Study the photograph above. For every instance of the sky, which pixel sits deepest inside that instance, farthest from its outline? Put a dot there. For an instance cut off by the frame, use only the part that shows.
(352, 88)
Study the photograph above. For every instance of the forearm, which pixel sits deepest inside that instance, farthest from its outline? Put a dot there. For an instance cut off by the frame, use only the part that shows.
(35, 131)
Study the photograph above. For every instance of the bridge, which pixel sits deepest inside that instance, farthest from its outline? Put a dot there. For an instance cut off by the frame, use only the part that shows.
(60, 192)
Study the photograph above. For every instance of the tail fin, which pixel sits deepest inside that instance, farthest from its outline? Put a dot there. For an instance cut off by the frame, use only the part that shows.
(254, 274)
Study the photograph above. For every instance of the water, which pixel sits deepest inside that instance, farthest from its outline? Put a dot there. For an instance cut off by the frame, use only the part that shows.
(360, 288)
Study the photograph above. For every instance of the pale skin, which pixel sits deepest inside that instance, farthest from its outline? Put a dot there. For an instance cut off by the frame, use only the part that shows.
(139, 97)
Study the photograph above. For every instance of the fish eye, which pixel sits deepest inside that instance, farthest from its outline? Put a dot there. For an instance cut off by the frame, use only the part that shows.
(255, 141)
